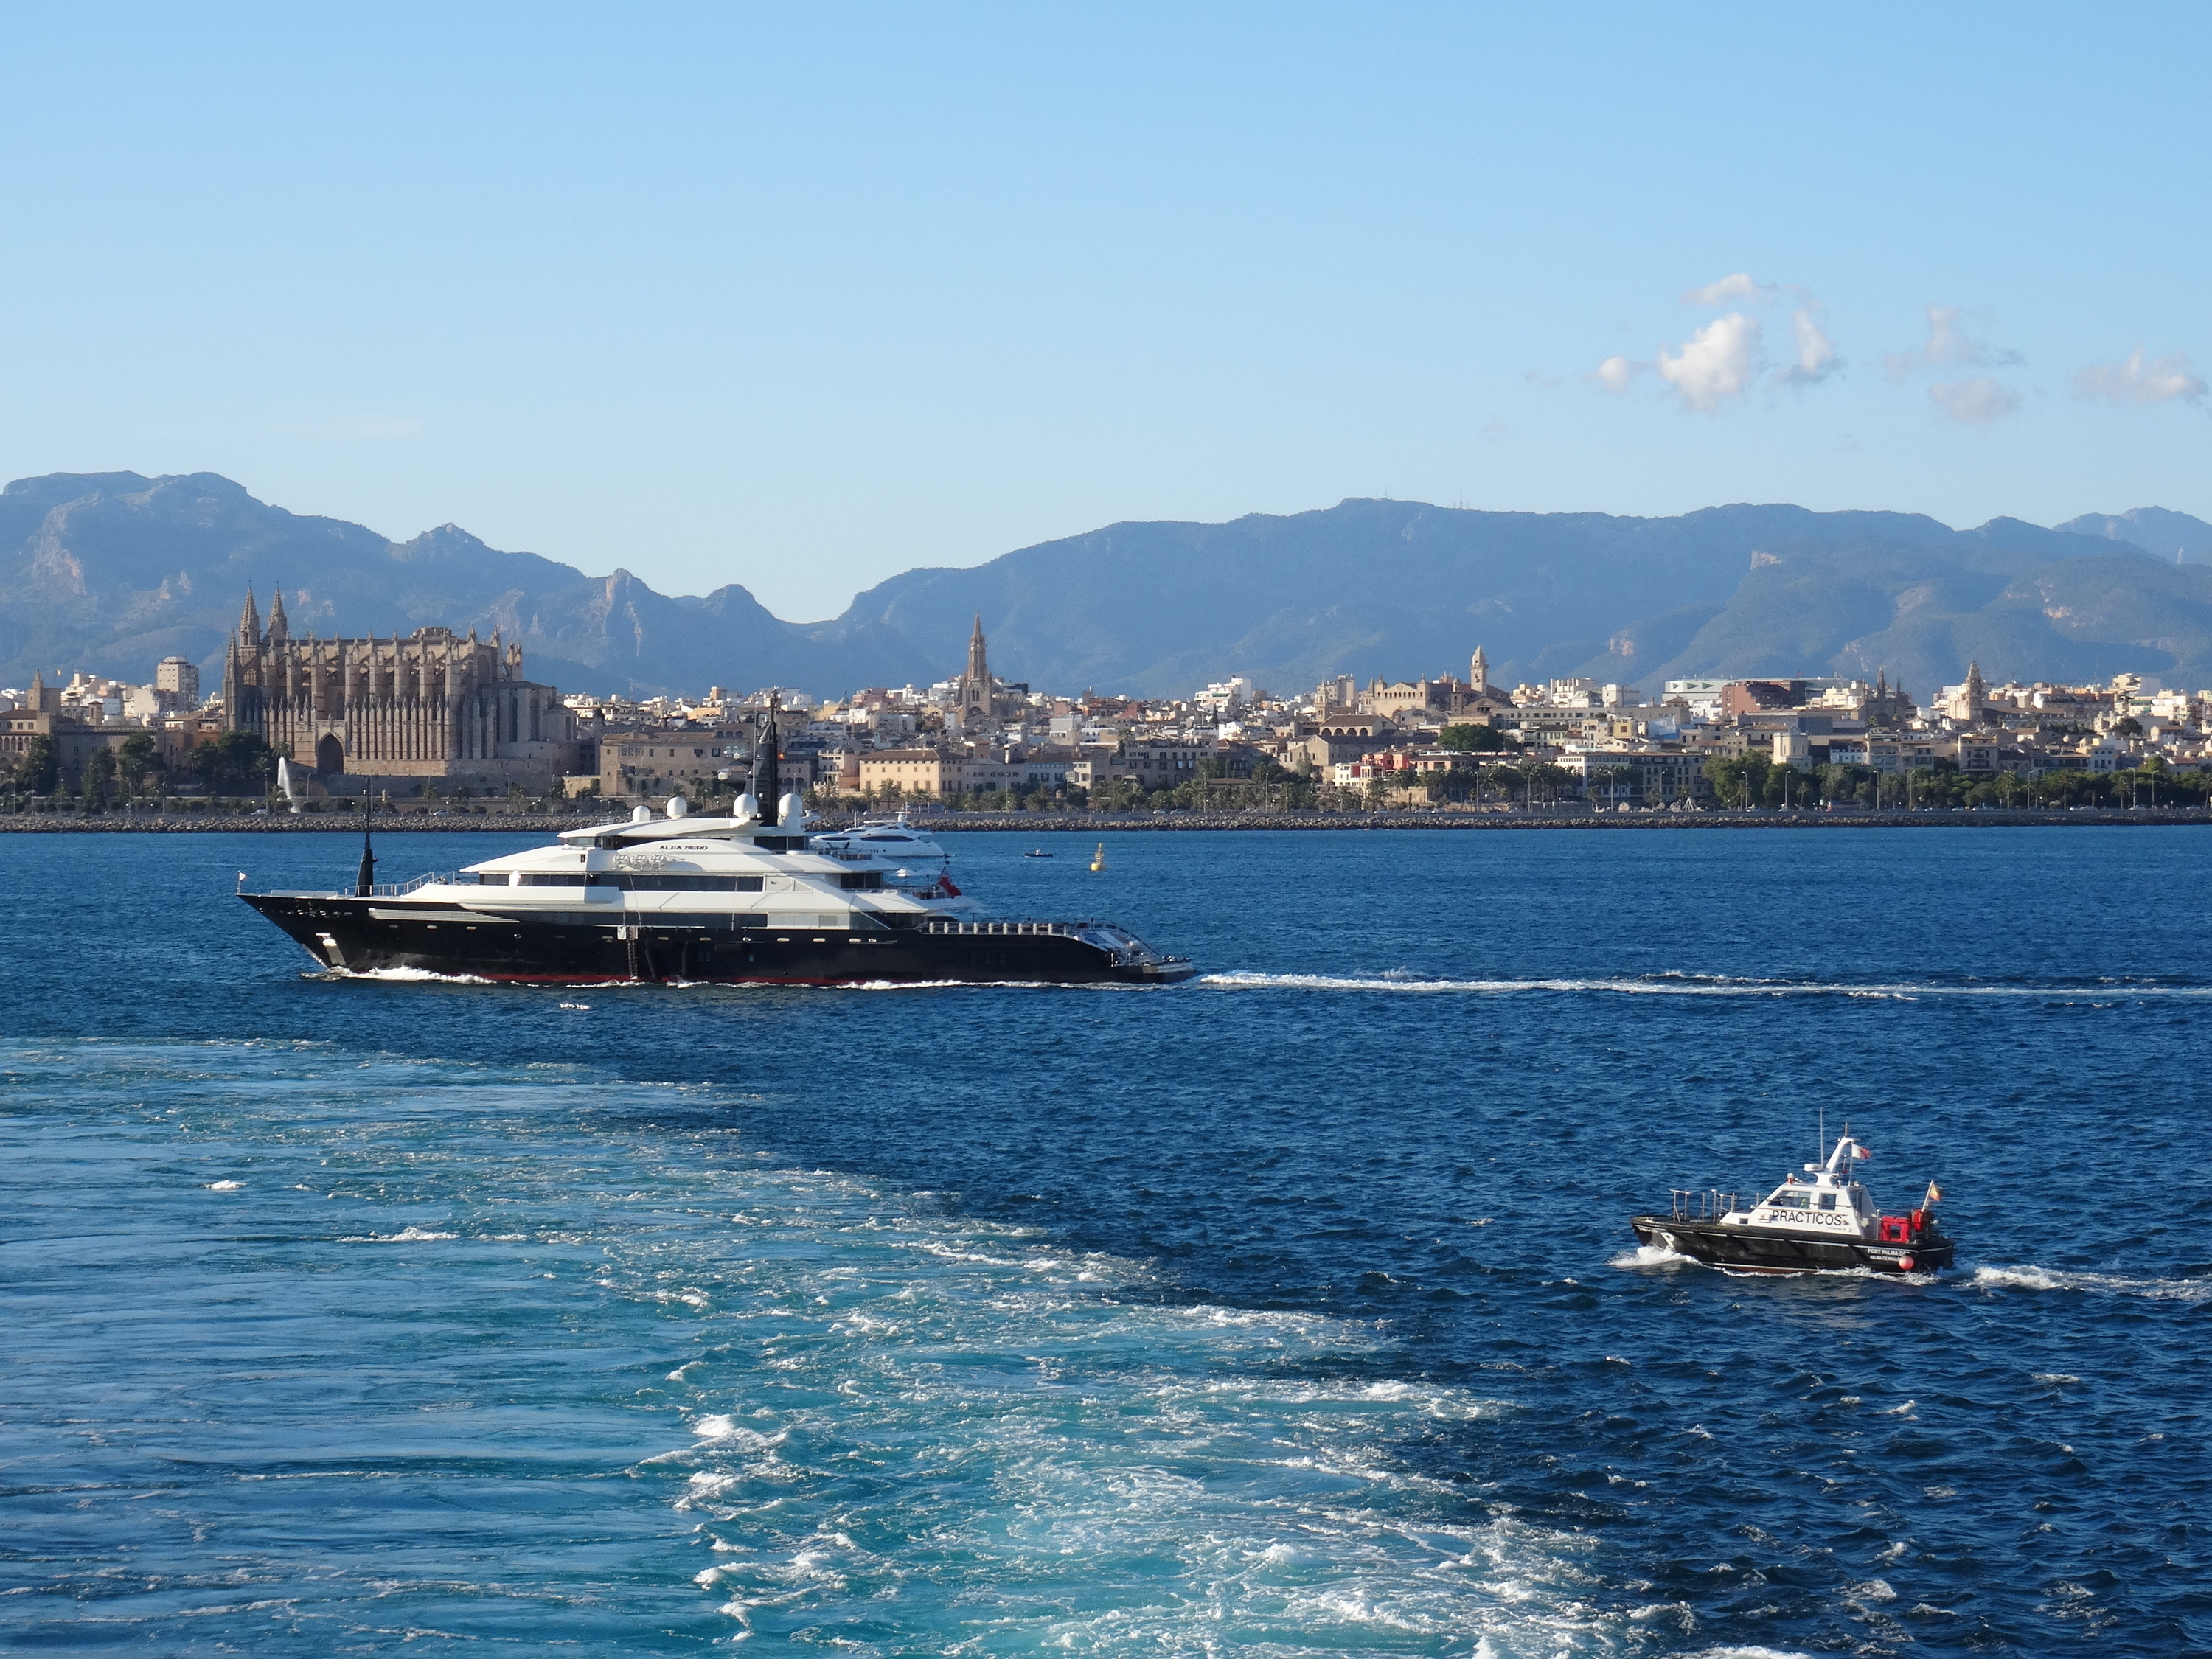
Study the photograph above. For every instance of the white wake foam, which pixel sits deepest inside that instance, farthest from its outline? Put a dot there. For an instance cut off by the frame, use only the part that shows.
(2030, 1278)
(399, 976)
(1652, 1256)
(1691, 985)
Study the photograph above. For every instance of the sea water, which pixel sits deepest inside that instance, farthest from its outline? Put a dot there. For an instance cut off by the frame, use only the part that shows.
(1292, 1310)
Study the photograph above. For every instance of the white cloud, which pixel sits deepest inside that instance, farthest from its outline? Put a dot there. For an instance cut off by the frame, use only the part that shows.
(1616, 373)
(2137, 382)
(1948, 342)
(1975, 402)
(1718, 362)
(1816, 353)
(1729, 290)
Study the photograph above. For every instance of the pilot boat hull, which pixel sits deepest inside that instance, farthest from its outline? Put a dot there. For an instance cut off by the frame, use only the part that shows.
(366, 935)
(1785, 1250)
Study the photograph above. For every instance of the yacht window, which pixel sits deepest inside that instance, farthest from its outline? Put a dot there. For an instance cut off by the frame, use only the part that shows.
(492, 878)
(655, 883)
(559, 878)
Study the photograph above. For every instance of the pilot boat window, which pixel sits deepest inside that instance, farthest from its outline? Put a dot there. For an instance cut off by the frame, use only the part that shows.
(1827, 1201)
(1788, 1200)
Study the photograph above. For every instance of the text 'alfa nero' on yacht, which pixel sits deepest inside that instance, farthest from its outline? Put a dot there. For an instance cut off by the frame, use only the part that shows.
(1823, 1223)
(743, 899)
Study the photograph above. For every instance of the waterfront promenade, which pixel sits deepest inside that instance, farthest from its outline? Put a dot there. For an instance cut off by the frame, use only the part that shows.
(1575, 816)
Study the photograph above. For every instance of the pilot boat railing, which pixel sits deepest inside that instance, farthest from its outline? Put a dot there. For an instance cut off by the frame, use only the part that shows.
(1708, 1206)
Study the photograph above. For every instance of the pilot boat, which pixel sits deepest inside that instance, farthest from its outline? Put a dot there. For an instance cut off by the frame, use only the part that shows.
(1824, 1220)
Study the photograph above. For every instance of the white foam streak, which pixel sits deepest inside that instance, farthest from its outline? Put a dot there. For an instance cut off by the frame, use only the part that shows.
(1652, 1256)
(2087, 1284)
(398, 975)
(1690, 984)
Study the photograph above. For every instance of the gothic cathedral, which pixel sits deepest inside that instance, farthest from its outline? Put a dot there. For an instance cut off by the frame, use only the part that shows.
(431, 706)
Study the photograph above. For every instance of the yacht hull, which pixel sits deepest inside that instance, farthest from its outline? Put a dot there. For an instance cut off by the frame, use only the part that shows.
(1783, 1250)
(368, 935)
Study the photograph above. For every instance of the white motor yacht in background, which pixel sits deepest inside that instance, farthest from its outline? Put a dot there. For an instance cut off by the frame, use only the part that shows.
(920, 864)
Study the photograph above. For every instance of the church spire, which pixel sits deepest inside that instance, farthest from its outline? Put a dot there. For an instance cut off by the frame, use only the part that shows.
(249, 622)
(278, 631)
(979, 666)
(1479, 672)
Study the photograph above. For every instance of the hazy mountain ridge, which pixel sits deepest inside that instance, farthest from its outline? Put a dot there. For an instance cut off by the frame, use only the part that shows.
(2153, 529)
(112, 571)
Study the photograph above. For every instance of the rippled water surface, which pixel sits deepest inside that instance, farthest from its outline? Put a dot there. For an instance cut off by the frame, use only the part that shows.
(1290, 1311)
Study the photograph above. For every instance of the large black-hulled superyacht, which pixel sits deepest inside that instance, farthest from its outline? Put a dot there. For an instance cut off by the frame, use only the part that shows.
(747, 898)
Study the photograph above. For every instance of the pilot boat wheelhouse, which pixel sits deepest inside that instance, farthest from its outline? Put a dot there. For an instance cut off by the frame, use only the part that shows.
(1825, 1220)
(737, 899)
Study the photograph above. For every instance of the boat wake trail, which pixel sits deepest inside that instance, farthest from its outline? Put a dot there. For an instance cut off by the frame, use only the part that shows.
(1704, 985)
(2031, 1278)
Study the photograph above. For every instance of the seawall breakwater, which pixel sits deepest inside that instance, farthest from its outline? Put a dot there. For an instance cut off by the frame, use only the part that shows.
(1117, 824)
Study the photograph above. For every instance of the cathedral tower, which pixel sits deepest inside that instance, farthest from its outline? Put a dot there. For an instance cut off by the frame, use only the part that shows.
(976, 701)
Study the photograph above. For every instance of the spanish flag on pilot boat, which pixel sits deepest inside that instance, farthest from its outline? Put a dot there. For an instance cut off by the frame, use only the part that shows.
(1935, 1192)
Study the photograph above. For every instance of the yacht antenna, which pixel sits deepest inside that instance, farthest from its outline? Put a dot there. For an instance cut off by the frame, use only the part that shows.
(365, 884)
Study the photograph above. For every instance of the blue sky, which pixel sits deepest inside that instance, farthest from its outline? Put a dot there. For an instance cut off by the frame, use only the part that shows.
(802, 296)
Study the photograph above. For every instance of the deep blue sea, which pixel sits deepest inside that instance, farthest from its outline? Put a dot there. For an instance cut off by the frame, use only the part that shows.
(1290, 1311)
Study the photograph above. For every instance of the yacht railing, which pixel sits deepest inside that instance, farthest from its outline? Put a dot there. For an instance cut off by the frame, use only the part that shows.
(427, 878)
(1058, 929)
(1708, 1206)
(1118, 943)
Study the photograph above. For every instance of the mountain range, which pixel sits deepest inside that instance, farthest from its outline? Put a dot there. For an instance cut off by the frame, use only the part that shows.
(111, 572)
